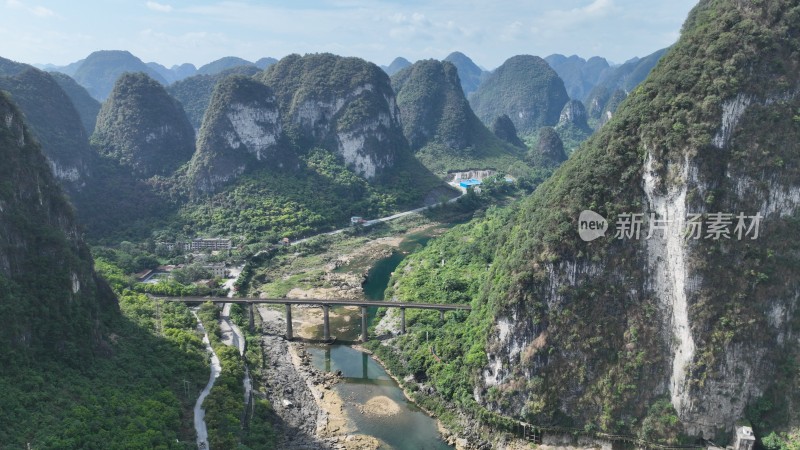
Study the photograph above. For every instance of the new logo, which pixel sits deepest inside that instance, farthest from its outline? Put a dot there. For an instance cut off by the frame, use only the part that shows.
(591, 225)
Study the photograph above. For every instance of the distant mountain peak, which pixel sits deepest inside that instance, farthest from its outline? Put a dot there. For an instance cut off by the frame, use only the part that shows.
(99, 71)
(396, 65)
(470, 74)
(224, 63)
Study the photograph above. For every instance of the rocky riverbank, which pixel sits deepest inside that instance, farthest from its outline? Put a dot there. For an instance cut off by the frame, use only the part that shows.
(311, 413)
(472, 435)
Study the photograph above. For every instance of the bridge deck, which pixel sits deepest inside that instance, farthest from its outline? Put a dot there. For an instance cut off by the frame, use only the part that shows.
(321, 302)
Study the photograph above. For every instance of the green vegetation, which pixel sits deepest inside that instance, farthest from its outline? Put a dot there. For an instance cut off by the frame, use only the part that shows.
(396, 65)
(48, 284)
(80, 378)
(579, 75)
(607, 95)
(222, 153)
(450, 269)
(548, 149)
(52, 118)
(100, 70)
(440, 126)
(133, 211)
(143, 128)
(782, 441)
(85, 105)
(573, 127)
(589, 328)
(503, 128)
(194, 92)
(223, 64)
(230, 424)
(321, 195)
(526, 89)
(138, 392)
(468, 72)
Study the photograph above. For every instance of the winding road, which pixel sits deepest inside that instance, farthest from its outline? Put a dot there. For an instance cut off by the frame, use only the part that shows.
(199, 412)
(233, 336)
(369, 223)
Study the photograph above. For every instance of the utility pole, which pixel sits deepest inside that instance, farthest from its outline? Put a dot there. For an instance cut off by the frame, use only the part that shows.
(159, 328)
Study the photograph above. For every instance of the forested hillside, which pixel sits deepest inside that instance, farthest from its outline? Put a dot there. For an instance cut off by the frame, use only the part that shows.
(668, 338)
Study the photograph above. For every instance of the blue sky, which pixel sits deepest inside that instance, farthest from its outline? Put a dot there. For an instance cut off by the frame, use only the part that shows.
(489, 31)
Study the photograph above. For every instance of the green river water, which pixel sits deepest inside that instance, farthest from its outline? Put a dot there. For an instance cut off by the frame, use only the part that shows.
(363, 378)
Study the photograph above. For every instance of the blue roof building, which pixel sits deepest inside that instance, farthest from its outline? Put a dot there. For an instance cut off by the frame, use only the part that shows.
(469, 183)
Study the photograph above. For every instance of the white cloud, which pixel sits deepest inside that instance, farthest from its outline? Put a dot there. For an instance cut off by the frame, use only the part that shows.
(41, 11)
(597, 7)
(593, 11)
(160, 7)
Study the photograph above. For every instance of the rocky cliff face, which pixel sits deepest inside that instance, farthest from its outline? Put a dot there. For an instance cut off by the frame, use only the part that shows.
(341, 104)
(600, 332)
(48, 283)
(53, 120)
(194, 92)
(573, 127)
(241, 131)
(143, 128)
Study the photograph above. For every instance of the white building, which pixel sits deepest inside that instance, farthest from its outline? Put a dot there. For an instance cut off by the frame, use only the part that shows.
(744, 439)
(218, 270)
(212, 244)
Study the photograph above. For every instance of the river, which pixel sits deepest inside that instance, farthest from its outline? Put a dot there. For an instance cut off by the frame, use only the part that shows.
(365, 381)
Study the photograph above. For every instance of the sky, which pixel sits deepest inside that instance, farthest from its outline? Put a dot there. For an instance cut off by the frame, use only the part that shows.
(490, 31)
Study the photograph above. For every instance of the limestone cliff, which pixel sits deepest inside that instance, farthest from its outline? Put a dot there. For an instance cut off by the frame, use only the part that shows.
(573, 127)
(341, 104)
(599, 333)
(47, 282)
(241, 131)
(53, 120)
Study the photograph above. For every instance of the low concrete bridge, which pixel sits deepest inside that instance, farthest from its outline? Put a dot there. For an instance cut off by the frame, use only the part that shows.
(326, 305)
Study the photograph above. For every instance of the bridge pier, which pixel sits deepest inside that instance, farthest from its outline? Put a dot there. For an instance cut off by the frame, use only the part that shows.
(326, 323)
(402, 321)
(251, 319)
(363, 324)
(441, 315)
(289, 333)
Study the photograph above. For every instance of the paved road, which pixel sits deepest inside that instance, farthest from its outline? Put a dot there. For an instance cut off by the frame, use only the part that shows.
(232, 335)
(369, 223)
(199, 412)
